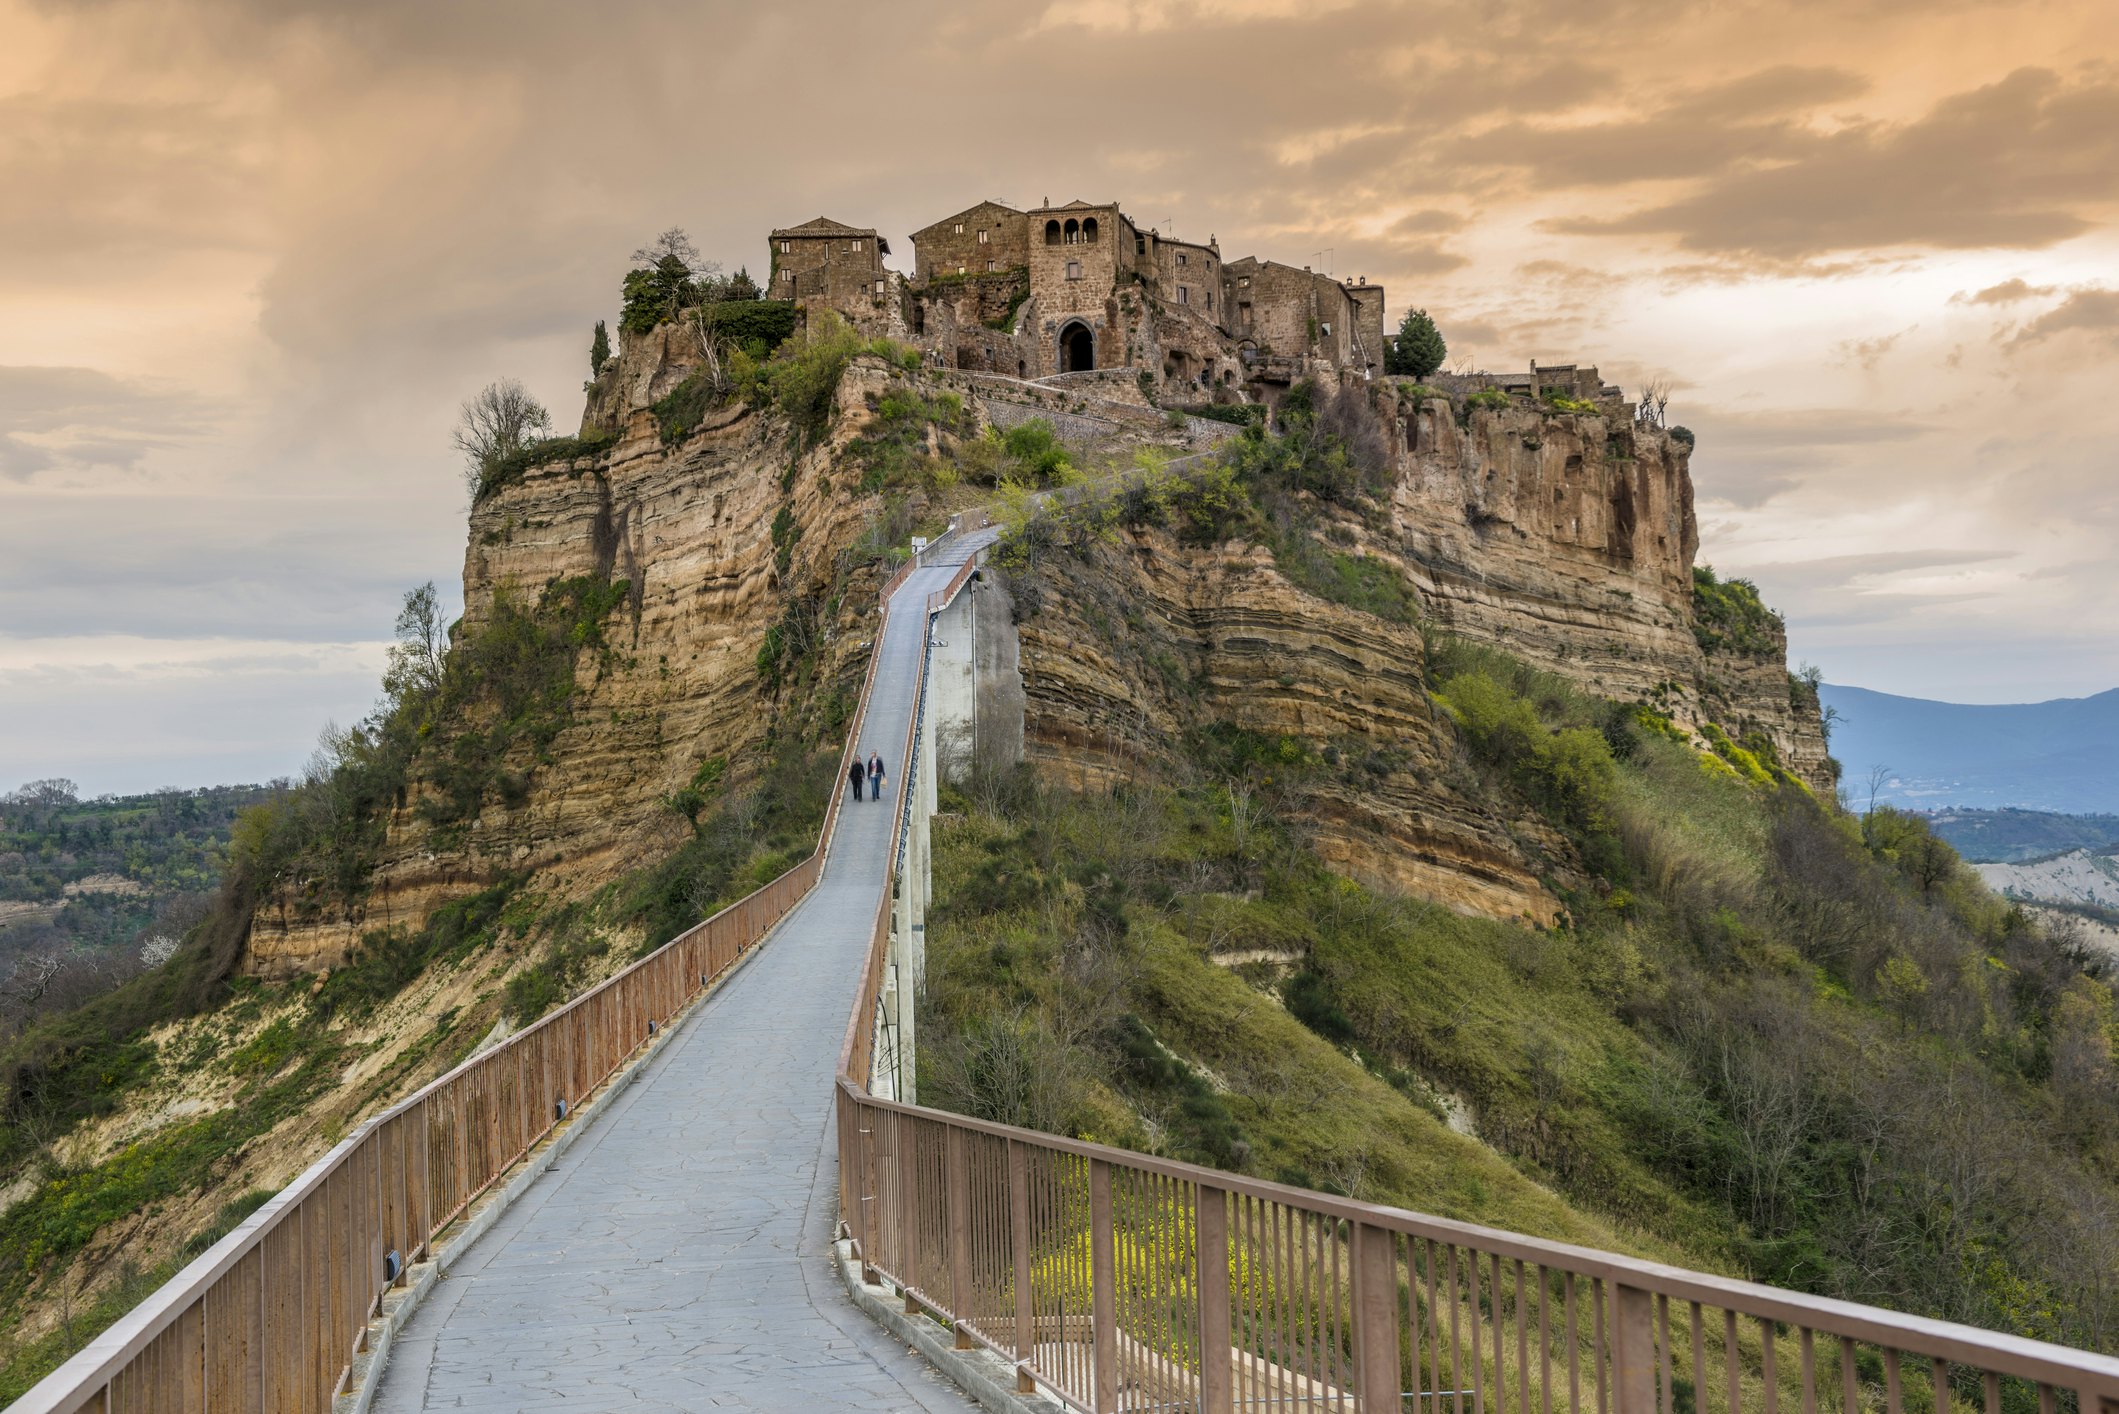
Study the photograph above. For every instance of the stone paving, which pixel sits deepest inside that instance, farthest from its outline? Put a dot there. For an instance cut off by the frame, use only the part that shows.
(679, 1255)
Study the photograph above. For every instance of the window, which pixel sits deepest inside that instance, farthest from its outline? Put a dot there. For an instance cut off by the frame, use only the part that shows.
(1074, 270)
(960, 230)
(1244, 281)
(786, 246)
(1052, 233)
(1184, 295)
(1327, 327)
(879, 287)
(856, 245)
(982, 235)
(1180, 257)
(960, 270)
(1089, 231)
(1210, 299)
(1140, 245)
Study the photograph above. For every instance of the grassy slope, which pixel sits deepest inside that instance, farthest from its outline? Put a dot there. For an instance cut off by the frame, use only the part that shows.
(1771, 1039)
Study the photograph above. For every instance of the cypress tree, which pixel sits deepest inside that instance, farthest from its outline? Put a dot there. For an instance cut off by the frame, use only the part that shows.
(599, 349)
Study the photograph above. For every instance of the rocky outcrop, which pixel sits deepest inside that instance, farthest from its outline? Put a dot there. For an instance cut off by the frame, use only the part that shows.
(689, 528)
(1124, 652)
(1568, 539)
(1565, 538)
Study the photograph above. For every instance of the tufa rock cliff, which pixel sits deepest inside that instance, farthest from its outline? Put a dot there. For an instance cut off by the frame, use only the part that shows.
(716, 536)
(1565, 538)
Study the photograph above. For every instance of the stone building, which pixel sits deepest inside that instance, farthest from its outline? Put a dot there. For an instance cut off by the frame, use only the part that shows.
(985, 239)
(1288, 321)
(830, 264)
(1079, 289)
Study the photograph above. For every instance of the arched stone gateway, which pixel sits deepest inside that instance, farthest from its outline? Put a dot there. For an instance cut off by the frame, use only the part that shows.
(1077, 348)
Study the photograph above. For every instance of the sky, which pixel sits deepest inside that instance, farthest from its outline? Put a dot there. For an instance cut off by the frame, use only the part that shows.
(255, 253)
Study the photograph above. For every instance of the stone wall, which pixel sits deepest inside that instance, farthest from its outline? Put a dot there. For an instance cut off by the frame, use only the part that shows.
(1088, 294)
(842, 270)
(993, 237)
(1292, 313)
(1190, 278)
(1368, 323)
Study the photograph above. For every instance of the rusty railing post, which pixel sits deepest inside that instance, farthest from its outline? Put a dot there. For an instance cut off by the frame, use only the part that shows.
(958, 1196)
(1376, 1320)
(1633, 1350)
(1103, 1289)
(1019, 1248)
(1217, 1343)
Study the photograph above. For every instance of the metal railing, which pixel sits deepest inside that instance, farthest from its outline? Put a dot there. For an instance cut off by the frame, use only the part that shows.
(271, 1317)
(1118, 1281)
(1114, 1280)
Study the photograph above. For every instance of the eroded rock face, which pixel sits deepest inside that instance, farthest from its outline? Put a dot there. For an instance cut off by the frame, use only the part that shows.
(1568, 540)
(689, 528)
(1125, 652)
(1563, 538)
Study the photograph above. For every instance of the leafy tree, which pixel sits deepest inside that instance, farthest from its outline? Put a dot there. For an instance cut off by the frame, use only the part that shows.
(1419, 349)
(668, 275)
(501, 420)
(742, 286)
(599, 349)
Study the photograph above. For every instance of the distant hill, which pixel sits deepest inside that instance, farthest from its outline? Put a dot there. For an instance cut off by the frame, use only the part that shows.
(2060, 756)
(2013, 836)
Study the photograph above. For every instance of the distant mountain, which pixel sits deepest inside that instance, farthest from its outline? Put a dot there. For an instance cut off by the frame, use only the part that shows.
(2013, 836)
(2061, 755)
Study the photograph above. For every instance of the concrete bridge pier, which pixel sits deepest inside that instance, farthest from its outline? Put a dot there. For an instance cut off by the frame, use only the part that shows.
(971, 710)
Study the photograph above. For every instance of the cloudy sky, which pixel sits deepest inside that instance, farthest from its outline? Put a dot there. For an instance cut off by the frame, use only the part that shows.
(254, 252)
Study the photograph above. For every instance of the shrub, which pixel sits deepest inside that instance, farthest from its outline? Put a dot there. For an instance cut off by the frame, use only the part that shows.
(1357, 581)
(1728, 616)
(1036, 449)
(508, 469)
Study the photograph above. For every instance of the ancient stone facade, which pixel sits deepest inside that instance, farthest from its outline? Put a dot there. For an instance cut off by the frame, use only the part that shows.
(983, 239)
(828, 264)
(1079, 287)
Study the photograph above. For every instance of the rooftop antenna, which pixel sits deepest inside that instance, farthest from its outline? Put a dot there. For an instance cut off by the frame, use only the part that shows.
(1324, 258)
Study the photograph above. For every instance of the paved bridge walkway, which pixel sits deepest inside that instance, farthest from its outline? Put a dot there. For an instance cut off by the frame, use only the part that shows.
(677, 1256)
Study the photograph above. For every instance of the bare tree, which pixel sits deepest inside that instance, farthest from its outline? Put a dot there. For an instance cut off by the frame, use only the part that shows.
(500, 421)
(1879, 777)
(672, 244)
(1655, 401)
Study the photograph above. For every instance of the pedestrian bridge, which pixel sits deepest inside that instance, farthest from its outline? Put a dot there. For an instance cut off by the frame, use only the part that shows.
(658, 1198)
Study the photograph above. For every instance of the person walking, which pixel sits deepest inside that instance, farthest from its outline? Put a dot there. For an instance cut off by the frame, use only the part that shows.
(854, 774)
(875, 776)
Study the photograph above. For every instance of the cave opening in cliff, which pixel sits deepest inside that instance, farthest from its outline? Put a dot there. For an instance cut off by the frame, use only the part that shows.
(1077, 348)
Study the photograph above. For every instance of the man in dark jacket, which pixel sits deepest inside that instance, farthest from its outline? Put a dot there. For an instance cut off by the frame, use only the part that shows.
(855, 773)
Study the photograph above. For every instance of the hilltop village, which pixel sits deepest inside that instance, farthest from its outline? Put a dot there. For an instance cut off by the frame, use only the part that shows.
(1081, 288)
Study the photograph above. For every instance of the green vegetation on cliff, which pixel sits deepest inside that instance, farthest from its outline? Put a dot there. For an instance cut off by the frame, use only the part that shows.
(1765, 1037)
(1729, 617)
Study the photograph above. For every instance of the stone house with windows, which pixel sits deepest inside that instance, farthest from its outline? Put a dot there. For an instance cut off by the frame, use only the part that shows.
(1079, 288)
(985, 239)
(827, 263)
